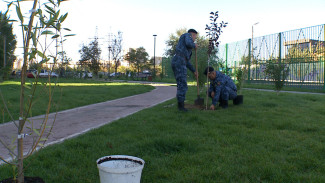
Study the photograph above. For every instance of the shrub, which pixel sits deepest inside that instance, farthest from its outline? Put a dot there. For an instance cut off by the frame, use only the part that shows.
(278, 73)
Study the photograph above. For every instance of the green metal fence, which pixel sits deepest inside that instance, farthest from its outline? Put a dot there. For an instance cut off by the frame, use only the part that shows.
(166, 68)
(302, 50)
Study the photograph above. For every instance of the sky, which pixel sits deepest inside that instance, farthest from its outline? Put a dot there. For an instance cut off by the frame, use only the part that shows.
(140, 20)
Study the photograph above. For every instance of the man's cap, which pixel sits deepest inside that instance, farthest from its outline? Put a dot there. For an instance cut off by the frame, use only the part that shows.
(192, 30)
(208, 69)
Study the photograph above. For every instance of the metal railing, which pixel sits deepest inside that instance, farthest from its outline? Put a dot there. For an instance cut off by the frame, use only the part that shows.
(302, 50)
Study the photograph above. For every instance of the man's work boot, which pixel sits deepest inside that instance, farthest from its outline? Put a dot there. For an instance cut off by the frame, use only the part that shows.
(224, 104)
(181, 107)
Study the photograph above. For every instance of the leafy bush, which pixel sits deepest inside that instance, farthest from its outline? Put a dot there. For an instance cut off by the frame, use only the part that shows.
(239, 78)
(278, 73)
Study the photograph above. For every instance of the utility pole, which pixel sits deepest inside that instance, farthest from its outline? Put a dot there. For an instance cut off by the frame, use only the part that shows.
(96, 39)
(252, 59)
(154, 56)
(4, 51)
(109, 52)
(252, 42)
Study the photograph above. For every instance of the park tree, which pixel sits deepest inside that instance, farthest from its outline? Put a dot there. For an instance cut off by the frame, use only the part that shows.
(277, 72)
(296, 53)
(172, 42)
(116, 50)
(200, 53)
(137, 57)
(7, 46)
(90, 56)
(63, 62)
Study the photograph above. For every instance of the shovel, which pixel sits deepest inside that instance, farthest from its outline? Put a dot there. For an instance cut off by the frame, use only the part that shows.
(199, 101)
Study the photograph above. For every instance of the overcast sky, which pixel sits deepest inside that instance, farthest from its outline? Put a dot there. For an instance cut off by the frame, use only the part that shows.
(140, 20)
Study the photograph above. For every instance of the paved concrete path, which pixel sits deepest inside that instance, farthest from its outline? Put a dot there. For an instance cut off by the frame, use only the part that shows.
(73, 122)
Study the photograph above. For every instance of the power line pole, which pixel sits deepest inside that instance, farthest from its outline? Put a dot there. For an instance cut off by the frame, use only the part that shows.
(4, 51)
(110, 35)
(154, 56)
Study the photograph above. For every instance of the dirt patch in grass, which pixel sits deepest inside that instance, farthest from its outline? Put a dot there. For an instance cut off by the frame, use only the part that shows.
(192, 106)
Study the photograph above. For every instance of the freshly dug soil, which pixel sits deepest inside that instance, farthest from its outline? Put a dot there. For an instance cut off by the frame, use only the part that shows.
(26, 179)
(192, 106)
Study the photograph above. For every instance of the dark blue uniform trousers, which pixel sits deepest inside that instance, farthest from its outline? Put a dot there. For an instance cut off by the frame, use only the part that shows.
(180, 73)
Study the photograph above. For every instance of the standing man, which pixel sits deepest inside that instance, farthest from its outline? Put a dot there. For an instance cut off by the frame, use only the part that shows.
(222, 88)
(180, 63)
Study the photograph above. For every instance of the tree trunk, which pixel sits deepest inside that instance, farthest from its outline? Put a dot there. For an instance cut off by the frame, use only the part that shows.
(21, 109)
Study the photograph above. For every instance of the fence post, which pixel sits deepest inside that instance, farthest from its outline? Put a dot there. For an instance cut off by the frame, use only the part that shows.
(249, 60)
(235, 68)
(227, 59)
(279, 48)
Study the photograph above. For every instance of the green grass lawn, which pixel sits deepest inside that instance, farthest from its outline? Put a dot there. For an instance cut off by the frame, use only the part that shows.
(257, 85)
(66, 94)
(269, 138)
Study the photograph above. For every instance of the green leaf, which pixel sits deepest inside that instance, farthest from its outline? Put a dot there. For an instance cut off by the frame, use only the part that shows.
(39, 53)
(34, 74)
(8, 7)
(12, 21)
(69, 35)
(63, 17)
(50, 22)
(66, 29)
(13, 140)
(58, 26)
(52, 2)
(44, 60)
(25, 27)
(32, 54)
(34, 39)
(36, 131)
(57, 15)
(42, 21)
(20, 16)
(28, 87)
(43, 139)
(41, 18)
(50, 10)
(47, 32)
(55, 36)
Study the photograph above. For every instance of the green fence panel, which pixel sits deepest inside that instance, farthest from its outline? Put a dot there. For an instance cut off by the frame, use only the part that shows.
(166, 68)
(302, 50)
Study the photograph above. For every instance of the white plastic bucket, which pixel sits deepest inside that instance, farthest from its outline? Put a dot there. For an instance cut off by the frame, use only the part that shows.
(120, 169)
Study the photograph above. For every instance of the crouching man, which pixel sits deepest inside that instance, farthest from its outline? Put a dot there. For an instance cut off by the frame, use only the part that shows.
(222, 88)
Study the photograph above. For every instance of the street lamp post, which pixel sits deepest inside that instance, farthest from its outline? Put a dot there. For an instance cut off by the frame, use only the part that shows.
(4, 51)
(252, 41)
(154, 56)
(252, 55)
